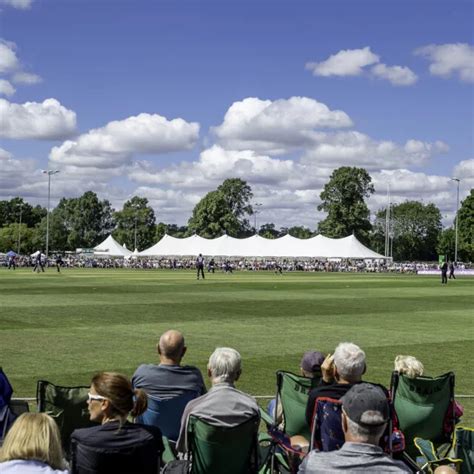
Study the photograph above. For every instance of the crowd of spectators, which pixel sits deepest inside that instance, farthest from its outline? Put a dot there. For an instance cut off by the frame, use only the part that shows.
(228, 265)
(117, 444)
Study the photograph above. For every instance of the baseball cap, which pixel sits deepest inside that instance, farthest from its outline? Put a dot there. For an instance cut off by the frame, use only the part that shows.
(311, 361)
(366, 404)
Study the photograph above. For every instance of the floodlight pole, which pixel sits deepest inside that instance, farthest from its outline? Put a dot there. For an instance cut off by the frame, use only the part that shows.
(19, 230)
(457, 219)
(135, 232)
(387, 223)
(49, 173)
(255, 212)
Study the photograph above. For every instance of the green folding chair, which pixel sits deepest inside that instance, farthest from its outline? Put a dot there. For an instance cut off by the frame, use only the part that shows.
(292, 393)
(431, 459)
(421, 405)
(223, 450)
(464, 448)
(67, 405)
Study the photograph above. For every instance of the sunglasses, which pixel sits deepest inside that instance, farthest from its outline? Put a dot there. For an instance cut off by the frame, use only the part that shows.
(91, 397)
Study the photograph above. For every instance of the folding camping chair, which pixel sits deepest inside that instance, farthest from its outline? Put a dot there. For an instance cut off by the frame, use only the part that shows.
(67, 405)
(7, 416)
(423, 405)
(326, 432)
(464, 448)
(222, 450)
(166, 413)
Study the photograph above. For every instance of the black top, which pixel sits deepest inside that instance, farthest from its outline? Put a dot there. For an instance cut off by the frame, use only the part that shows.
(109, 448)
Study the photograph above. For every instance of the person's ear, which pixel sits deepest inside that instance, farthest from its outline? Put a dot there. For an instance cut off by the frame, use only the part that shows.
(209, 373)
(184, 351)
(158, 349)
(344, 422)
(238, 375)
(365, 368)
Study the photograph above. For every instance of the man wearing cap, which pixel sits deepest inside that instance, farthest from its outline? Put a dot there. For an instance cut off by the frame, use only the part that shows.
(365, 413)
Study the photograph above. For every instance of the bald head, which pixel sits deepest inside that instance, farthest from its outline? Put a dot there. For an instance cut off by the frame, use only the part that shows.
(171, 347)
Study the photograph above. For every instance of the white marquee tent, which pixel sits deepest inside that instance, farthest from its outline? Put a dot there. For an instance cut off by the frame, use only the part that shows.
(256, 246)
(111, 248)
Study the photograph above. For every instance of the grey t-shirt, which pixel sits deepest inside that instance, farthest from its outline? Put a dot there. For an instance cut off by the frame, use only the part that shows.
(352, 457)
(168, 381)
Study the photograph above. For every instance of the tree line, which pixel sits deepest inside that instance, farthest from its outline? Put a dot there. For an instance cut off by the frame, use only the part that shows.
(83, 222)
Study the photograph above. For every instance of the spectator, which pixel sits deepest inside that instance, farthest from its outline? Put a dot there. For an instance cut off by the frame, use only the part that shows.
(339, 373)
(116, 445)
(33, 446)
(223, 405)
(365, 413)
(409, 366)
(169, 379)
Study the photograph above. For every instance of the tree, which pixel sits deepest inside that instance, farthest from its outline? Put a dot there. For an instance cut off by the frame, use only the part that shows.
(135, 222)
(268, 231)
(300, 232)
(446, 243)
(466, 228)
(12, 233)
(223, 211)
(343, 198)
(87, 220)
(416, 228)
(11, 211)
(171, 229)
(58, 234)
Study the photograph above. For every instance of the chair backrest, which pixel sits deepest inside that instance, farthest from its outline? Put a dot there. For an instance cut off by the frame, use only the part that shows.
(6, 389)
(166, 413)
(67, 405)
(219, 449)
(292, 393)
(7, 416)
(421, 405)
(327, 433)
(131, 459)
(464, 448)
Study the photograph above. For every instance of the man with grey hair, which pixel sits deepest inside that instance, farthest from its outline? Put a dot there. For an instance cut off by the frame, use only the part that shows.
(365, 413)
(223, 405)
(339, 373)
(169, 379)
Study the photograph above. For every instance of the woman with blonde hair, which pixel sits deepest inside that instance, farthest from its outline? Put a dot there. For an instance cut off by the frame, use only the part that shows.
(409, 366)
(115, 445)
(33, 446)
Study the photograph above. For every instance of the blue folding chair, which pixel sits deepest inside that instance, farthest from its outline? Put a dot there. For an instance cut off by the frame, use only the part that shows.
(166, 413)
(7, 416)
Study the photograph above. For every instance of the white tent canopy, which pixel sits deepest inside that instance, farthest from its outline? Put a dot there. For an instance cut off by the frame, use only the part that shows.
(111, 248)
(256, 246)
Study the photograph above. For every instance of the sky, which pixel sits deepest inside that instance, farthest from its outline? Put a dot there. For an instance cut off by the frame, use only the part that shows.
(166, 99)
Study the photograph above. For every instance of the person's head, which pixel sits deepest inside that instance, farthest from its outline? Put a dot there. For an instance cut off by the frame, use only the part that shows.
(409, 366)
(171, 347)
(349, 362)
(225, 365)
(365, 413)
(112, 397)
(310, 364)
(34, 437)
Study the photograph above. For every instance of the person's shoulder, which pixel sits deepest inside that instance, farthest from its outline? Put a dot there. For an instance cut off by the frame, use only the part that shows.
(20, 466)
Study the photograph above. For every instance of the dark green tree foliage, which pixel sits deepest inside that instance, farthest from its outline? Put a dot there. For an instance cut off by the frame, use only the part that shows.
(136, 218)
(416, 230)
(223, 211)
(466, 229)
(12, 234)
(10, 212)
(343, 198)
(268, 231)
(58, 234)
(300, 232)
(446, 243)
(87, 220)
(171, 229)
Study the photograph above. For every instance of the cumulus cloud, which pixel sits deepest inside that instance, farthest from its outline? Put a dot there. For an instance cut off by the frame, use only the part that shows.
(20, 4)
(8, 58)
(355, 62)
(397, 75)
(347, 62)
(6, 88)
(115, 144)
(357, 149)
(48, 120)
(277, 127)
(26, 78)
(450, 59)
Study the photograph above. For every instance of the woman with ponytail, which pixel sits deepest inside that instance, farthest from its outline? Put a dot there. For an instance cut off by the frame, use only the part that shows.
(115, 445)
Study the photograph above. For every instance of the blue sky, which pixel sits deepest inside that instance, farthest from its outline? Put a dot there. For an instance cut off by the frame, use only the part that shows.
(166, 99)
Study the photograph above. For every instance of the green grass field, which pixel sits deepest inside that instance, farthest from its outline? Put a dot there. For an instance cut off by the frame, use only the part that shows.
(65, 327)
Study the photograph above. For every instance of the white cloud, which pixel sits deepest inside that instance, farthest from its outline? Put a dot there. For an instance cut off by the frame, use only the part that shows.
(279, 126)
(6, 88)
(115, 144)
(450, 59)
(26, 78)
(357, 149)
(347, 62)
(8, 58)
(397, 75)
(48, 120)
(20, 4)
(464, 170)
